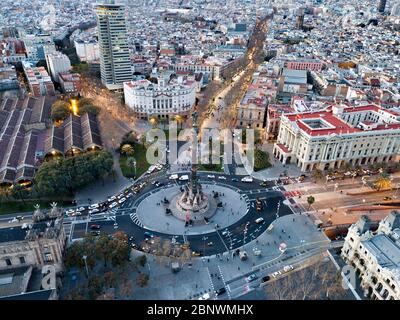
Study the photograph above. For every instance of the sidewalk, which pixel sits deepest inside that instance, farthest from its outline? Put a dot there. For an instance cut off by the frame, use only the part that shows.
(102, 189)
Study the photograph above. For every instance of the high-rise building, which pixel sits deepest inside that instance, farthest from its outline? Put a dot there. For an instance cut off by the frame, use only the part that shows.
(300, 19)
(57, 63)
(115, 63)
(381, 6)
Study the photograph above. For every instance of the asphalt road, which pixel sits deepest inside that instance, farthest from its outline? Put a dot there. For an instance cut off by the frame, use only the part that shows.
(231, 240)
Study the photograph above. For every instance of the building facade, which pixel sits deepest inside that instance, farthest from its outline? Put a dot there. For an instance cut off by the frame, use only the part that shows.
(87, 51)
(115, 63)
(38, 244)
(176, 97)
(70, 82)
(57, 63)
(375, 256)
(338, 135)
(39, 81)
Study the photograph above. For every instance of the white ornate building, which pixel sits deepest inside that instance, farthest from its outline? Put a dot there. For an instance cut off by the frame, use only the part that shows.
(376, 256)
(164, 99)
(328, 139)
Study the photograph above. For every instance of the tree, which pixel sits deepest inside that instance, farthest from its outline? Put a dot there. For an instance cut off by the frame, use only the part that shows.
(127, 149)
(317, 174)
(67, 175)
(109, 279)
(95, 287)
(383, 183)
(310, 201)
(60, 110)
(261, 160)
(126, 288)
(142, 280)
(141, 261)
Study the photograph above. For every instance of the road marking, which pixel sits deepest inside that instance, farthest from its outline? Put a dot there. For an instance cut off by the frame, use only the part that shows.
(135, 219)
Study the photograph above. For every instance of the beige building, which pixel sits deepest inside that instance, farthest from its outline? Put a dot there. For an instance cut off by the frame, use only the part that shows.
(330, 138)
(376, 256)
(38, 244)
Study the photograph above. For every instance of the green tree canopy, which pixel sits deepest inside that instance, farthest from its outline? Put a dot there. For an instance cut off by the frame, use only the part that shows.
(67, 175)
(59, 110)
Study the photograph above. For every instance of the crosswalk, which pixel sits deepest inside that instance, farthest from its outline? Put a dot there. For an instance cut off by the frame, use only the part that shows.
(135, 219)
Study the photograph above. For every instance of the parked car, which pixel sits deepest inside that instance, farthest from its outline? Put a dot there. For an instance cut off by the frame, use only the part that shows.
(276, 274)
(95, 227)
(93, 211)
(210, 176)
(265, 279)
(122, 200)
(111, 198)
(173, 177)
(288, 268)
(221, 177)
(94, 206)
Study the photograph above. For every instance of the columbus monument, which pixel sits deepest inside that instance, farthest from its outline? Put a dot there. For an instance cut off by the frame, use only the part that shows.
(192, 204)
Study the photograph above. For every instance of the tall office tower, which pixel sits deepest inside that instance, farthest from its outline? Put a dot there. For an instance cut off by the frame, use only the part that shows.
(115, 63)
(300, 19)
(381, 6)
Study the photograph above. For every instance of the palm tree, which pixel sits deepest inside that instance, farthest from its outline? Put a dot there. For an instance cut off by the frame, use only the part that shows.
(127, 149)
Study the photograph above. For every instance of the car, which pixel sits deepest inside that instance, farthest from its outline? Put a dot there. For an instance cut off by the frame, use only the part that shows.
(205, 296)
(210, 243)
(264, 184)
(159, 184)
(154, 182)
(148, 235)
(19, 218)
(95, 233)
(70, 211)
(95, 227)
(130, 194)
(111, 199)
(94, 206)
(221, 177)
(225, 232)
(93, 211)
(113, 205)
(247, 179)
(80, 209)
(120, 196)
(235, 180)
(122, 200)
(173, 177)
(220, 291)
(196, 254)
(288, 268)
(251, 278)
(259, 220)
(184, 177)
(265, 279)
(133, 245)
(210, 176)
(276, 274)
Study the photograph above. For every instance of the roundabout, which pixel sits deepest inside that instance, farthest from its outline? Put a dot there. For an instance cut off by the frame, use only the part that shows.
(140, 215)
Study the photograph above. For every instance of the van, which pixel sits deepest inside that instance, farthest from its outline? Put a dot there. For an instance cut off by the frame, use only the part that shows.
(185, 177)
(173, 177)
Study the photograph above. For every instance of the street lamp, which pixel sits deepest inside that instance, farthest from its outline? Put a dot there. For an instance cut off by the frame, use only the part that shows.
(86, 267)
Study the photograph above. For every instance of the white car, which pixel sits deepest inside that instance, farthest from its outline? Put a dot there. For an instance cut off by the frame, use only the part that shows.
(112, 205)
(93, 211)
(276, 274)
(94, 206)
(259, 220)
(120, 196)
(222, 178)
(111, 198)
(185, 177)
(173, 177)
(211, 176)
(247, 179)
(70, 211)
(205, 296)
(122, 200)
(80, 209)
(288, 268)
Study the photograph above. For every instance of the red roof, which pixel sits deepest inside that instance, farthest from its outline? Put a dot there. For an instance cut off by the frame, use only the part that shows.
(283, 148)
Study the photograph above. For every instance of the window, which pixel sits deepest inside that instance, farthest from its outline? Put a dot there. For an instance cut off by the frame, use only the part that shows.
(22, 260)
(8, 262)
